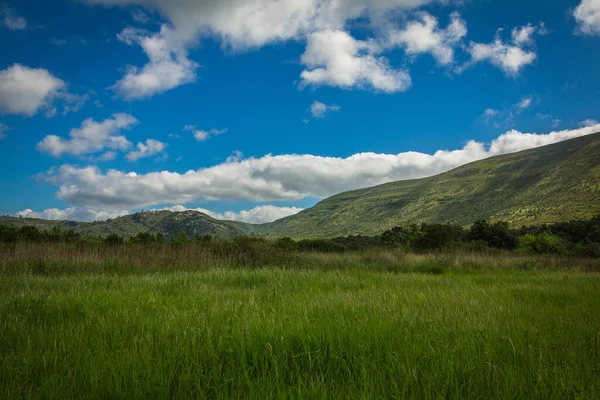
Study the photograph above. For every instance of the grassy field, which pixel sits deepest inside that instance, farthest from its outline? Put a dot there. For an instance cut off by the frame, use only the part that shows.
(212, 331)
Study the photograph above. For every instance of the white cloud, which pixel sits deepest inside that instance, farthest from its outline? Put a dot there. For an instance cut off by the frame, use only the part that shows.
(25, 90)
(505, 116)
(57, 41)
(555, 122)
(150, 148)
(245, 24)
(511, 56)
(524, 103)
(168, 66)
(587, 15)
(273, 178)
(335, 58)
(523, 35)
(72, 213)
(201, 135)
(256, 215)
(320, 110)
(589, 122)
(490, 112)
(11, 20)
(241, 24)
(92, 137)
(261, 214)
(3, 130)
(424, 36)
(513, 141)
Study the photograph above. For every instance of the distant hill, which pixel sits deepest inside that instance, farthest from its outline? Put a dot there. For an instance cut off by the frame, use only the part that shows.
(554, 183)
(192, 223)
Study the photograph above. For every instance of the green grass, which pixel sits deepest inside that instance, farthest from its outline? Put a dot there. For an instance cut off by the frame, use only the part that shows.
(301, 333)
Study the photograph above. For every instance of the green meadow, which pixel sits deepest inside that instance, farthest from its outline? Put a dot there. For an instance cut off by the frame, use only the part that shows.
(431, 328)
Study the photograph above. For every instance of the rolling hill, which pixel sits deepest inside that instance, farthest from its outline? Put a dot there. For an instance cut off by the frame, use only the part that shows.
(192, 223)
(554, 183)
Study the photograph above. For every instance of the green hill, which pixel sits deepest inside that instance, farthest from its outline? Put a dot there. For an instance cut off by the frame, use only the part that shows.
(554, 183)
(192, 223)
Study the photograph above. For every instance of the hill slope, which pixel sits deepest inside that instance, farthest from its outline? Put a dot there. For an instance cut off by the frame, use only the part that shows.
(192, 223)
(553, 183)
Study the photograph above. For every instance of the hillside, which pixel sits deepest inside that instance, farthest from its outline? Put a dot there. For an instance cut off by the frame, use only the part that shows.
(554, 183)
(548, 184)
(192, 223)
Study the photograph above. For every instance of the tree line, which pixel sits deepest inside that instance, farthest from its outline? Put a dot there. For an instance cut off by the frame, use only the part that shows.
(577, 238)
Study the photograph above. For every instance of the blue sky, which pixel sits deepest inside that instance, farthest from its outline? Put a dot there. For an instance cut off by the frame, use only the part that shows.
(255, 109)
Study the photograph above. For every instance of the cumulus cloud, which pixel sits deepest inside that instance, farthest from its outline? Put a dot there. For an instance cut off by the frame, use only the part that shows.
(320, 110)
(24, 90)
(587, 15)
(150, 148)
(244, 24)
(168, 66)
(201, 135)
(425, 36)
(91, 137)
(71, 213)
(334, 58)
(511, 57)
(240, 24)
(11, 20)
(256, 215)
(274, 178)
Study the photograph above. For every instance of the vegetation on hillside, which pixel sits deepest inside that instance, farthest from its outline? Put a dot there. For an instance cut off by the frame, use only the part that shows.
(576, 238)
(167, 223)
(550, 184)
(555, 183)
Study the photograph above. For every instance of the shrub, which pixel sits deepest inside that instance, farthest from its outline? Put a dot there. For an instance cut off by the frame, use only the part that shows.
(113, 240)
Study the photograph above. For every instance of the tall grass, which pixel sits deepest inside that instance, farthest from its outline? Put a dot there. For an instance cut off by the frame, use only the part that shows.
(57, 258)
(162, 322)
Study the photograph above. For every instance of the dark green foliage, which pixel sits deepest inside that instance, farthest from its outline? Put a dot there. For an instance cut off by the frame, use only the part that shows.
(496, 235)
(321, 246)
(286, 244)
(143, 238)
(113, 240)
(578, 238)
(180, 239)
(438, 237)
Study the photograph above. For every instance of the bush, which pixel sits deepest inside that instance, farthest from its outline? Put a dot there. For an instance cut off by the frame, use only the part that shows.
(286, 244)
(543, 243)
(321, 245)
(113, 240)
(591, 250)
